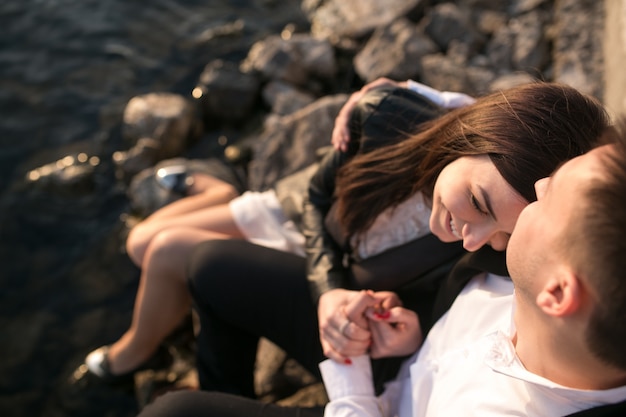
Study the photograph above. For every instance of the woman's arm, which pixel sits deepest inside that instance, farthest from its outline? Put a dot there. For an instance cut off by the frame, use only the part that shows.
(341, 132)
(325, 269)
(444, 99)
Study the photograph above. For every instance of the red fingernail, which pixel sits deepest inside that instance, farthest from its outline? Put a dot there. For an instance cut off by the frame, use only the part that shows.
(383, 315)
(348, 361)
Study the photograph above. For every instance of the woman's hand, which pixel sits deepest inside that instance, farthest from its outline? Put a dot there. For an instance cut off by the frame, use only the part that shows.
(341, 131)
(395, 332)
(342, 323)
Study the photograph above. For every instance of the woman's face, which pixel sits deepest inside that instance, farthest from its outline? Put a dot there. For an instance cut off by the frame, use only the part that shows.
(474, 203)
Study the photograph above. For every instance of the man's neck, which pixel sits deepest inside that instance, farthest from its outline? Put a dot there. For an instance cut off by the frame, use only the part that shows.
(563, 360)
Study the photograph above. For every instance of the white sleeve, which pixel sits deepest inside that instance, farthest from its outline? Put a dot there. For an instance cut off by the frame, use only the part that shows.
(445, 99)
(350, 389)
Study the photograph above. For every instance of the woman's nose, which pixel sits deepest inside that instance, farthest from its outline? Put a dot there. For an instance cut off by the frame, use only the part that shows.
(475, 236)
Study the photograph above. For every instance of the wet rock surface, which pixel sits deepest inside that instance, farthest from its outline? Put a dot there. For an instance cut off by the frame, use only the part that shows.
(69, 72)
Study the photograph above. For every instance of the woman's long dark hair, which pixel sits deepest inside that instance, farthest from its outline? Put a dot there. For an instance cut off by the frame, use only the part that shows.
(527, 131)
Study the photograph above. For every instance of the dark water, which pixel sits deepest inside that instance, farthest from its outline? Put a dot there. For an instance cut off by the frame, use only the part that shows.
(67, 69)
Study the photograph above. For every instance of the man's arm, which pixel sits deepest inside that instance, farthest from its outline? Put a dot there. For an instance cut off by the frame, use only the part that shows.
(350, 389)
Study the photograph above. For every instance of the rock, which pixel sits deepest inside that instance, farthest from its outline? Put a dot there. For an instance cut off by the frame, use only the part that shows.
(169, 119)
(335, 19)
(446, 22)
(225, 93)
(577, 55)
(442, 73)
(143, 155)
(72, 174)
(510, 80)
(294, 60)
(394, 51)
(288, 144)
(500, 49)
(284, 98)
(530, 51)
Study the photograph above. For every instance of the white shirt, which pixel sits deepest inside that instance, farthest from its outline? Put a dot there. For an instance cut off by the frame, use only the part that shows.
(395, 226)
(445, 99)
(466, 367)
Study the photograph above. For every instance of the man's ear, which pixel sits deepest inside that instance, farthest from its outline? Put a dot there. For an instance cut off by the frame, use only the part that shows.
(560, 295)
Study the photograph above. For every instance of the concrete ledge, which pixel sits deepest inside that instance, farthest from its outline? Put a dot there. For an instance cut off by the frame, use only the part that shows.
(615, 56)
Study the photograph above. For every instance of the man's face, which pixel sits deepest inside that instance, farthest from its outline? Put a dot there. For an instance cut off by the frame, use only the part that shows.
(540, 232)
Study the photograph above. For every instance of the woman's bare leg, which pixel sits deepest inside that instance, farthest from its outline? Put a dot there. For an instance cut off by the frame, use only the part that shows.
(207, 210)
(163, 299)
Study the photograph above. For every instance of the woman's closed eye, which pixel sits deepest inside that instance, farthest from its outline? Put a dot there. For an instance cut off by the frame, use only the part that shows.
(476, 205)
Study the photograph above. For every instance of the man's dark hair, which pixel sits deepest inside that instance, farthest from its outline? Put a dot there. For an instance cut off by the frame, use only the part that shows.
(604, 241)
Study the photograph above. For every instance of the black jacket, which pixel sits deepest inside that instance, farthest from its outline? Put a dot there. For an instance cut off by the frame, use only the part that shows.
(382, 116)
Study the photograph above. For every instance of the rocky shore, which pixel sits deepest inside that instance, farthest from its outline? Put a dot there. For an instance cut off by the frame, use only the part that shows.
(264, 115)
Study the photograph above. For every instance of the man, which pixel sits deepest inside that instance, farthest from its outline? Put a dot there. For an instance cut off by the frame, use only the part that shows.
(553, 347)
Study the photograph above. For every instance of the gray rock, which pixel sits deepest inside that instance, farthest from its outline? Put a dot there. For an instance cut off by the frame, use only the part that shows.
(170, 119)
(294, 60)
(443, 73)
(446, 22)
(394, 51)
(577, 55)
(289, 144)
(284, 98)
(143, 155)
(225, 93)
(335, 19)
(530, 51)
(72, 174)
(510, 80)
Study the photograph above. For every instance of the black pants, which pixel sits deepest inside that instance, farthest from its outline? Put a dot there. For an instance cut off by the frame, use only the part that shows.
(215, 404)
(241, 292)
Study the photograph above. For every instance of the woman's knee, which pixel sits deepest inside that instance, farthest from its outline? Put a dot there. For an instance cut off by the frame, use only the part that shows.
(136, 244)
(172, 244)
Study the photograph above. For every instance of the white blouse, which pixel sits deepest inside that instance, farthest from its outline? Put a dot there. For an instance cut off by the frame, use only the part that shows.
(395, 226)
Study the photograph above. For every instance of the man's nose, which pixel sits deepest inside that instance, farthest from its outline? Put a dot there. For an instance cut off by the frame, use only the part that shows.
(540, 187)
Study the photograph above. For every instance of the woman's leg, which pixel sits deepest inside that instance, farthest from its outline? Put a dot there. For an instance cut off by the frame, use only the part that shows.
(216, 404)
(243, 292)
(207, 209)
(163, 299)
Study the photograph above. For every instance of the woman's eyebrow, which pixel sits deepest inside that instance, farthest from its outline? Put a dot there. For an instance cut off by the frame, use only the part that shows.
(487, 201)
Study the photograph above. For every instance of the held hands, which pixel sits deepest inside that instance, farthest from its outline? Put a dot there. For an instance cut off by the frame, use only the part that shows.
(341, 131)
(395, 332)
(340, 336)
(355, 322)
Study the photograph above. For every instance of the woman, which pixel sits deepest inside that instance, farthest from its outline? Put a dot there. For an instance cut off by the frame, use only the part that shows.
(161, 244)
(470, 171)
